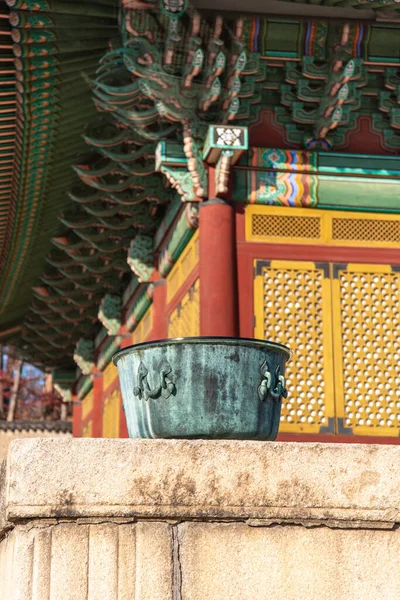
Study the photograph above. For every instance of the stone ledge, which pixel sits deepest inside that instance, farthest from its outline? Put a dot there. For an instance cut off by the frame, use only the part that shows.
(208, 480)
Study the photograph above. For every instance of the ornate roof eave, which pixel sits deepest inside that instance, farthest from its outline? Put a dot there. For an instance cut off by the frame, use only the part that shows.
(149, 101)
(48, 127)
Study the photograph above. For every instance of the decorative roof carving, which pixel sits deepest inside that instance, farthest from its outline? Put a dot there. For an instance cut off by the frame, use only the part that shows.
(84, 355)
(141, 257)
(110, 313)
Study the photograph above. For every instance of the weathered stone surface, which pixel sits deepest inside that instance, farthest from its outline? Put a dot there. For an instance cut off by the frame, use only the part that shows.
(8, 436)
(16, 565)
(3, 523)
(42, 559)
(80, 540)
(6, 556)
(221, 561)
(104, 561)
(154, 562)
(203, 479)
(69, 547)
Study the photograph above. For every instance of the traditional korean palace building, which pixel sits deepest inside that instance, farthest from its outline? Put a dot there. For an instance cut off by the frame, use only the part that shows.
(170, 170)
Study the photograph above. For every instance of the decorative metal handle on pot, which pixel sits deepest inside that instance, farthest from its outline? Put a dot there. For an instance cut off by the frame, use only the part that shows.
(165, 388)
(271, 383)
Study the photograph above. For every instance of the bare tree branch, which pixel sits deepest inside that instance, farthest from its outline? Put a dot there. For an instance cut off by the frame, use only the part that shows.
(15, 389)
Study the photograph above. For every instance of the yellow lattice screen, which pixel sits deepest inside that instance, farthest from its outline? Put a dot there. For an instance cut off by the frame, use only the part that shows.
(111, 414)
(144, 327)
(183, 267)
(280, 226)
(340, 319)
(366, 230)
(291, 299)
(367, 348)
(184, 321)
(274, 224)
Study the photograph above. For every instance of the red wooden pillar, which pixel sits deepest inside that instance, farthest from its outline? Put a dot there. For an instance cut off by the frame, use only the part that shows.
(97, 416)
(160, 320)
(76, 416)
(217, 269)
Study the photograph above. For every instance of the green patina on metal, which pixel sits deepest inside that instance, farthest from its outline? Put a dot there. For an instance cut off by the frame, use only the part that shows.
(193, 388)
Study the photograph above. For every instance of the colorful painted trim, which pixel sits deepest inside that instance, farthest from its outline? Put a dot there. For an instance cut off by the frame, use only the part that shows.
(307, 179)
(107, 351)
(177, 241)
(84, 385)
(279, 188)
(315, 38)
(138, 306)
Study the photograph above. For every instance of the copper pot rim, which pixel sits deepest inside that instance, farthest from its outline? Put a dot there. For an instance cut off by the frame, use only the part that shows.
(200, 339)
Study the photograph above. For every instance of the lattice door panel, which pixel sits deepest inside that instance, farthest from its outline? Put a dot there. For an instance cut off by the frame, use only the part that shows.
(184, 321)
(367, 349)
(293, 307)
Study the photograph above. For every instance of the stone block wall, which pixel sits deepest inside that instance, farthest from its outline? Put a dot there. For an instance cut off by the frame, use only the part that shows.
(199, 520)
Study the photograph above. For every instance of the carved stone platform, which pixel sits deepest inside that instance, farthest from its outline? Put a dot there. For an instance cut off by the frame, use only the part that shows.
(195, 520)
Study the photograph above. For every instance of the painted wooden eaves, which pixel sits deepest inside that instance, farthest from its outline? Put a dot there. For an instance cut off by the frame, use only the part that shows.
(54, 46)
(7, 118)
